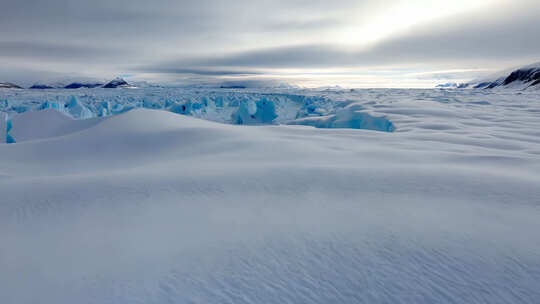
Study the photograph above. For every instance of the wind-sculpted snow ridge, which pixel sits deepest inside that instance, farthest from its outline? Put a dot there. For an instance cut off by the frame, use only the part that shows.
(34, 125)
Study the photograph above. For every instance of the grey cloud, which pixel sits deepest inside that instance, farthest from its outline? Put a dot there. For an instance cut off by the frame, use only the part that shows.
(501, 36)
(57, 51)
(162, 36)
(296, 56)
(198, 71)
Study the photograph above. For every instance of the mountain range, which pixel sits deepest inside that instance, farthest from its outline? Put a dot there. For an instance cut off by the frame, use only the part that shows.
(115, 83)
(522, 78)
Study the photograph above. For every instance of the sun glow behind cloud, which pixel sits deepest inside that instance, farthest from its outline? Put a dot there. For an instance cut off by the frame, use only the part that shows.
(361, 34)
(402, 17)
(361, 77)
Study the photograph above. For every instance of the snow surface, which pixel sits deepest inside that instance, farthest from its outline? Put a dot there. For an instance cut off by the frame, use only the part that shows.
(149, 206)
(46, 124)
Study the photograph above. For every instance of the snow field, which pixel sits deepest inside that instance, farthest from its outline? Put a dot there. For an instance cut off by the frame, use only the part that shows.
(149, 206)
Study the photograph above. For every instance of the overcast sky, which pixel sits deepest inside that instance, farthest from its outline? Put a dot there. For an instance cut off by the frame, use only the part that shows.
(352, 43)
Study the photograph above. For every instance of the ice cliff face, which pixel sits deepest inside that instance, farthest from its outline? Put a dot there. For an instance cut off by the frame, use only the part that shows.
(5, 127)
(248, 113)
(232, 107)
(78, 110)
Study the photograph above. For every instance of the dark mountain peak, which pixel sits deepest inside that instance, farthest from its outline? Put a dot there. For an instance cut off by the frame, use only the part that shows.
(526, 75)
(117, 83)
(521, 78)
(9, 85)
(78, 85)
(41, 87)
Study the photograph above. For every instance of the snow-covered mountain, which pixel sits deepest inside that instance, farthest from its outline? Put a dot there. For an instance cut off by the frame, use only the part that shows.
(40, 86)
(8, 85)
(447, 85)
(78, 85)
(117, 83)
(526, 77)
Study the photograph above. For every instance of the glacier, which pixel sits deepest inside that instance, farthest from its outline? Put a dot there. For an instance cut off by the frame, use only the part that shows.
(319, 196)
(226, 106)
(352, 116)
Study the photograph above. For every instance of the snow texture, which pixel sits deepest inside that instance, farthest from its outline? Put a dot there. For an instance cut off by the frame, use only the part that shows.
(152, 206)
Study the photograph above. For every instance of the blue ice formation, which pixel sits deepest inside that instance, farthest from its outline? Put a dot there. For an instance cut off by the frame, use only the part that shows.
(74, 108)
(5, 126)
(351, 117)
(77, 110)
(178, 108)
(52, 105)
(249, 113)
(246, 108)
(9, 138)
(104, 109)
(150, 105)
(119, 109)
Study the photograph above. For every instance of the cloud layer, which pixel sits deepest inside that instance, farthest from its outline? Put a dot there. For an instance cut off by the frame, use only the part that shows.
(209, 39)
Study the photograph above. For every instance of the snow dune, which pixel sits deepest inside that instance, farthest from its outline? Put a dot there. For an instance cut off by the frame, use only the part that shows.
(154, 207)
(46, 124)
